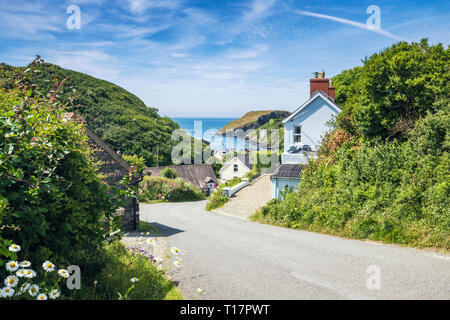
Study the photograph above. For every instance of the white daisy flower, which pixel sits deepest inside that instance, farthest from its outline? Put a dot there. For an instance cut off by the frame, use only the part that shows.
(134, 279)
(158, 259)
(54, 294)
(150, 242)
(24, 287)
(14, 248)
(30, 273)
(12, 266)
(175, 250)
(11, 281)
(201, 291)
(48, 266)
(63, 273)
(42, 296)
(25, 264)
(33, 291)
(177, 264)
(7, 292)
(20, 273)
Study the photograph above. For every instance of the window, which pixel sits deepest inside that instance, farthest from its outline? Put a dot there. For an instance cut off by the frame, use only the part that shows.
(297, 134)
(235, 168)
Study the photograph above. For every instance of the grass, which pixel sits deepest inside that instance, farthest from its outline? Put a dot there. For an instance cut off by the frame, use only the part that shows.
(119, 266)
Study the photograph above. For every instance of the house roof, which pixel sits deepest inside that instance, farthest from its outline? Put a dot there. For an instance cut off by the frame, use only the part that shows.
(313, 97)
(197, 174)
(292, 171)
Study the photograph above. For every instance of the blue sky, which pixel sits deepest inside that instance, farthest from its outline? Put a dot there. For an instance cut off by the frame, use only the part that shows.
(213, 58)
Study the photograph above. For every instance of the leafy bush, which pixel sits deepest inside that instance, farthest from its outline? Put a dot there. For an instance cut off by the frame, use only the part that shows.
(49, 187)
(169, 173)
(217, 199)
(135, 161)
(173, 190)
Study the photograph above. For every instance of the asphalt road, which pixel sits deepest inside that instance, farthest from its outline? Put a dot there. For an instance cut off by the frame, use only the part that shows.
(232, 258)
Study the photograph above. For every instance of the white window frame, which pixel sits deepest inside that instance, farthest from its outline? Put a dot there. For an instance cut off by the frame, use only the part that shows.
(235, 168)
(296, 134)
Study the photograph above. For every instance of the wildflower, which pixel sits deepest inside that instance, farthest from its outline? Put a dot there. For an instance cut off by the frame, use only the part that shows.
(14, 248)
(158, 259)
(20, 273)
(30, 273)
(177, 264)
(48, 266)
(201, 291)
(134, 279)
(11, 281)
(7, 292)
(24, 287)
(25, 264)
(42, 296)
(54, 294)
(12, 266)
(175, 250)
(63, 273)
(33, 291)
(150, 242)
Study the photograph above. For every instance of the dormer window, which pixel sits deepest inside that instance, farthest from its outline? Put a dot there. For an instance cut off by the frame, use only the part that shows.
(297, 134)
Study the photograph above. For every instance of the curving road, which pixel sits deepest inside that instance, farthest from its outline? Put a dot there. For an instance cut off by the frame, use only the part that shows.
(232, 258)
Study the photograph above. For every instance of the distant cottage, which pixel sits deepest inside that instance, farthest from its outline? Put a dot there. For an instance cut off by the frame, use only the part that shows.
(303, 131)
(200, 175)
(237, 167)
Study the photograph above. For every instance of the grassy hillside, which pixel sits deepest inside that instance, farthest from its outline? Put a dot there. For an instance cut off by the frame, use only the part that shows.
(383, 173)
(254, 119)
(117, 116)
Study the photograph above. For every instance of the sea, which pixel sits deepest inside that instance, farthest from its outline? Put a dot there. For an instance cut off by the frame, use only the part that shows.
(210, 132)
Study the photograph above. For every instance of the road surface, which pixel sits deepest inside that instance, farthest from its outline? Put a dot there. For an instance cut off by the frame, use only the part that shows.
(232, 258)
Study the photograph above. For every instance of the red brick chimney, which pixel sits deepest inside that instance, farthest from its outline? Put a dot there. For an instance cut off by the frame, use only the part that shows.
(322, 83)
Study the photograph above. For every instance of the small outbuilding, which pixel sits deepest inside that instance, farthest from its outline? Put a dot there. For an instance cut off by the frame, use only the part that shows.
(286, 177)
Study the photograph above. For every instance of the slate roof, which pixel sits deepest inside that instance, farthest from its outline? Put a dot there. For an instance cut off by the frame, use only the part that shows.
(292, 171)
(197, 174)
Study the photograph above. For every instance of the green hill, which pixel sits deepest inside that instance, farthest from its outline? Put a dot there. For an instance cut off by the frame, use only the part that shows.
(117, 116)
(255, 119)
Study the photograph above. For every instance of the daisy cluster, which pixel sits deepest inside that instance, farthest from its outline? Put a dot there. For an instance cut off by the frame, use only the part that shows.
(20, 281)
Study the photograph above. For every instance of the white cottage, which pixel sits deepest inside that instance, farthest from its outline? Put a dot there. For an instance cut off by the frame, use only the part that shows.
(237, 167)
(303, 131)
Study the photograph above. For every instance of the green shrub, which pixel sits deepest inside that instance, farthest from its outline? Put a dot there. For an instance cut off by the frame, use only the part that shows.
(49, 186)
(173, 190)
(134, 160)
(216, 200)
(169, 173)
